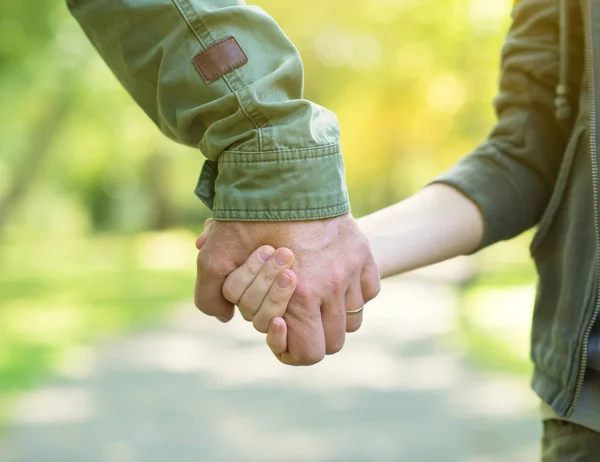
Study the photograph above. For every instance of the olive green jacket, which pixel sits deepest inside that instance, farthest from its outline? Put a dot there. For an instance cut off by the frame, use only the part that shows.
(223, 77)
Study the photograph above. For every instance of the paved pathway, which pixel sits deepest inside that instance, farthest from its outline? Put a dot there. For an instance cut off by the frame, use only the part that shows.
(197, 391)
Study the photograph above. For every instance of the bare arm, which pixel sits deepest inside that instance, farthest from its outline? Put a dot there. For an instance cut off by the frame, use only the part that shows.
(435, 224)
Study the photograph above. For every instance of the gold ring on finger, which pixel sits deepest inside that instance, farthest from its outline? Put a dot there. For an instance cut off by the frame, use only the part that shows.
(356, 311)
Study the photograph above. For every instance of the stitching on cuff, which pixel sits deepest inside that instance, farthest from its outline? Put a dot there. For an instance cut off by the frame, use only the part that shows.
(324, 147)
(271, 161)
(283, 215)
(303, 209)
(283, 155)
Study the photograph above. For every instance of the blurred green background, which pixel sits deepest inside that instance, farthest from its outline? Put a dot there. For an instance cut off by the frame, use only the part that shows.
(97, 214)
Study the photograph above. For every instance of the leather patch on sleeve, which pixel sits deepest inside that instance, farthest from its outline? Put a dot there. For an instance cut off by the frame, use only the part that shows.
(219, 59)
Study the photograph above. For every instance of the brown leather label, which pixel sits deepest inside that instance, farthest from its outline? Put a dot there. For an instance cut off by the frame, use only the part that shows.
(219, 59)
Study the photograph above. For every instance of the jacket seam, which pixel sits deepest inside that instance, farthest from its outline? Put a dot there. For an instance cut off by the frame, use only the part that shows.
(303, 209)
(290, 155)
(250, 118)
(324, 147)
(233, 80)
(557, 198)
(275, 161)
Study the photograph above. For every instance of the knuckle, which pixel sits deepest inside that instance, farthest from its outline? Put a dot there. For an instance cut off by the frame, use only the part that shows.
(302, 295)
(260, 324)
(204, 258)
(271, 270)
(274, 311)
(310, 358)
(246, 310)
(371, 291)
(280, 296)
(212, 267)
(245, 316)
(356, 261)
(230, 293)
(334, 346)
(353, 326)
(308, 354)
(207, 307)
(253, 265)
(213, 270)
(336, 281)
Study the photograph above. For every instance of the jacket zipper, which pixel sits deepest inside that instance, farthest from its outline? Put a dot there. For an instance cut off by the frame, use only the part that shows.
(593, 153)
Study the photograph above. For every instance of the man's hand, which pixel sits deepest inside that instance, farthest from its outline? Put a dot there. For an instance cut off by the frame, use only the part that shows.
(255, 274)
(334, 267)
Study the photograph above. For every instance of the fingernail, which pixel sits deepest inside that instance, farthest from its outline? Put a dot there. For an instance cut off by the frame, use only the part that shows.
(283, 257)
(265, 254)
(284, 281)
(223, 320)
(276, 326)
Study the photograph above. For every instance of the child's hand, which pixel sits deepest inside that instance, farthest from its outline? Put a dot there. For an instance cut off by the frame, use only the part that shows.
(262, 288)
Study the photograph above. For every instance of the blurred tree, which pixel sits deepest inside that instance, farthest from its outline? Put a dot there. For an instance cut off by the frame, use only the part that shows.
(31, 160)
(161, 205)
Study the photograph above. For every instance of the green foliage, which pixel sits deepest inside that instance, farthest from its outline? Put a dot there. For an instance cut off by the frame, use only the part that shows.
(56, 294)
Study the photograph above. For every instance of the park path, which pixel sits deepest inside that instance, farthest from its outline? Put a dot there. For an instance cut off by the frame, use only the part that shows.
(192, 390)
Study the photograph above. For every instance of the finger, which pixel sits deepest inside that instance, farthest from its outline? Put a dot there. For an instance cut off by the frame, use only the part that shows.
(369, 280)
(333, 313)
(276, 302)
(277, 336)
(305, 339)
(255, 294)
(238, 282)
(200, 240)
(208, 296)
(354, 301)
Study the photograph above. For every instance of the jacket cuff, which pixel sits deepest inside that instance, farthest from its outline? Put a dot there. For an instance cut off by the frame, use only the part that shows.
(494, 194)
(290, 185)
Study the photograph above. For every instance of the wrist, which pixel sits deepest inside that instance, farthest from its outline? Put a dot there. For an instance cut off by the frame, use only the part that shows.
(436, 224)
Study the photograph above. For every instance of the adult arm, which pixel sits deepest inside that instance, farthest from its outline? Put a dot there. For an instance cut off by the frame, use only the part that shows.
(272, 154)
(222, 76)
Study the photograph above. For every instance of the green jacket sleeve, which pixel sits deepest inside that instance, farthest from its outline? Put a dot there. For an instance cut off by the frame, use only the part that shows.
(512, 174)
(223, 77)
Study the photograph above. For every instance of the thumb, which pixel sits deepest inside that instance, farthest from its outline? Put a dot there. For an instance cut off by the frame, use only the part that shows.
(201, 240)
(208, 292)
(277, 336)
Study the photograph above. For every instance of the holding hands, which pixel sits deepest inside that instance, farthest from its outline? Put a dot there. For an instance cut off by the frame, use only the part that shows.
(263, 286)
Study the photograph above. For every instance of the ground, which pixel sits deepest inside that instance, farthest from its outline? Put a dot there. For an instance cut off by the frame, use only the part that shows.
(194, 390)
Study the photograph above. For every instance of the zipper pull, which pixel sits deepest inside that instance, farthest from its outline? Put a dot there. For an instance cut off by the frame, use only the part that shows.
(561, 102)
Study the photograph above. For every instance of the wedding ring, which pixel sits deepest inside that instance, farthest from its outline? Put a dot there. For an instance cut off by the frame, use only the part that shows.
(356, 311)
